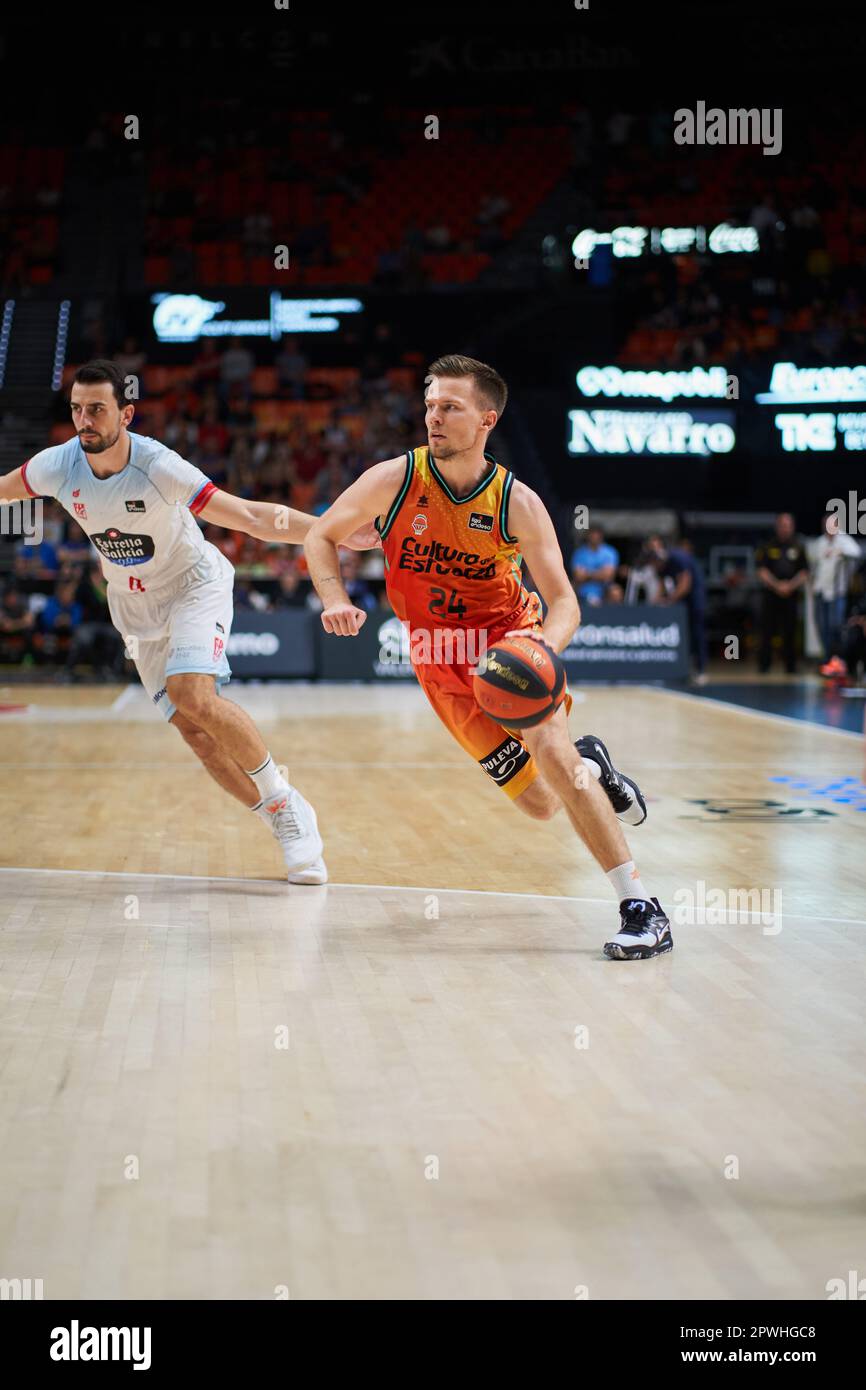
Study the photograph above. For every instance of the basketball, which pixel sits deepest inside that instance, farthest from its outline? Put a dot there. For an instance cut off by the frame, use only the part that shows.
(520, 682)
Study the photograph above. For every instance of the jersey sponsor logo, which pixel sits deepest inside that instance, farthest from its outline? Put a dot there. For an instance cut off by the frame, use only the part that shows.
(218, 645)
(419, 525)
(123, 549)
(436, 558)
(77, 492)
(423, 501)
(480, 521)
(136, 505)
(505, 761)
(80, 510)
(158, 696)
(136, 585)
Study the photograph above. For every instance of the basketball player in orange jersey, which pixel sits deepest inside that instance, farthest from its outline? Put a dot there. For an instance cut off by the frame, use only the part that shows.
(454, 527)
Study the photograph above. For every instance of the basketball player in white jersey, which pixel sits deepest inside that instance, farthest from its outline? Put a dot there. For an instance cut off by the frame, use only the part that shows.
(170, 590)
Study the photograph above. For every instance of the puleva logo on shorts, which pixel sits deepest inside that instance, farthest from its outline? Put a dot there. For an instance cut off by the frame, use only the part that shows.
(480, 521)
(505, 761)
(123, 549)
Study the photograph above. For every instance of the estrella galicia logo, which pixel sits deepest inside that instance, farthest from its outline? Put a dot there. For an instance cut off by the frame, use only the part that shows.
(505, 761)
(123, 549)
(136, 505)
(480, 521)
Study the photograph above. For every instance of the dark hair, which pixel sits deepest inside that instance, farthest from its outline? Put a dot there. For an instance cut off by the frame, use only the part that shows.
(101, 369)
(489, 386)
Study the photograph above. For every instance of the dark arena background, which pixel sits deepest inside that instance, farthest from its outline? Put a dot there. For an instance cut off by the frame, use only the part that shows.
(423, 1080)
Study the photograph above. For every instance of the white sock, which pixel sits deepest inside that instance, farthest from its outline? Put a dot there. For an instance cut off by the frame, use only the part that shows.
(625, 882)
(268, 779)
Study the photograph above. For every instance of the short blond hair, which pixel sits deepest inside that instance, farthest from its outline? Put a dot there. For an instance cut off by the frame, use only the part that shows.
(489, 385)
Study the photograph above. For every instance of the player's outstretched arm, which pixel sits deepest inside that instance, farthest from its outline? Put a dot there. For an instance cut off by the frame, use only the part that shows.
(268, 521)
(370, 496)
(529, 520)
(13, 488)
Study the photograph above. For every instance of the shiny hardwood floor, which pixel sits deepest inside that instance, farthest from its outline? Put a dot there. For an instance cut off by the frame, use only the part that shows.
(425, 1080)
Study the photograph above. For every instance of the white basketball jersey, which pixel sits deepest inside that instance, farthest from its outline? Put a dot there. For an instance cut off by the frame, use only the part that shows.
(141, 520)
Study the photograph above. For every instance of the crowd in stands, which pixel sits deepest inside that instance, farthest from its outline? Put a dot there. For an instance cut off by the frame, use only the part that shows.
(828, 571)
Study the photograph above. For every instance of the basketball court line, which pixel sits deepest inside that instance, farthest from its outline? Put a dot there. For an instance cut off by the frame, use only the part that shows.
(124, 698)
(399, 888)
(752, 713)
(392, 763)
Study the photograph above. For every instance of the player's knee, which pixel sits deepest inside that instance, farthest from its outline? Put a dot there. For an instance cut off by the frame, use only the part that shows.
(190, 695)
(558, 758)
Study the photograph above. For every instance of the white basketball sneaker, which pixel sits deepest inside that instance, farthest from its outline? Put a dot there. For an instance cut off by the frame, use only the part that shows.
(292, 821)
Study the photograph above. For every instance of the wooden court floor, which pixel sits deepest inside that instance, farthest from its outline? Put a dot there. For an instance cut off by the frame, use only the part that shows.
(425, 1080)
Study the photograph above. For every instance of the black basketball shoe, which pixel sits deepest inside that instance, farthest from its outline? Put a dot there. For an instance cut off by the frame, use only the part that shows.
(623, 794)
(644, 931)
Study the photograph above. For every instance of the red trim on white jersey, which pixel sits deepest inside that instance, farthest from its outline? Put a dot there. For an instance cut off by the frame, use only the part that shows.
(202, 498)
(30, 491)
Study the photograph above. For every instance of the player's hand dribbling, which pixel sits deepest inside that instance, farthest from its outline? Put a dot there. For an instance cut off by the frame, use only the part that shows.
(536, 634)
(343, 620)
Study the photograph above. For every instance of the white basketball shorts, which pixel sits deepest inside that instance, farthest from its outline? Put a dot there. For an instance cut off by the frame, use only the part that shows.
(179, 630)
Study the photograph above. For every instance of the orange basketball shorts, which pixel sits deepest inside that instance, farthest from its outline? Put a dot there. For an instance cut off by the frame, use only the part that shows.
(501, 753)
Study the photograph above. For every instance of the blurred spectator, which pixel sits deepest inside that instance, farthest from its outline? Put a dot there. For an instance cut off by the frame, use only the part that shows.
(614, 593)
(593, 566)
(438, 236)
(206, 367)
(643, 584)
(292, 367)
(683, 581)
(213, 435)
(852, 656)
(832, 557)
(293, 588)
(236, 369)
(95, 642)
(36, 561)
(258, 234)
(359, 591)
(131, 360)
(16, 625)
(62, 612)
(76, 549)
(782, 568)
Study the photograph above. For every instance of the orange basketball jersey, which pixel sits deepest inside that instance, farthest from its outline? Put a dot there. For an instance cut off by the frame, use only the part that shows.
(450, 562)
